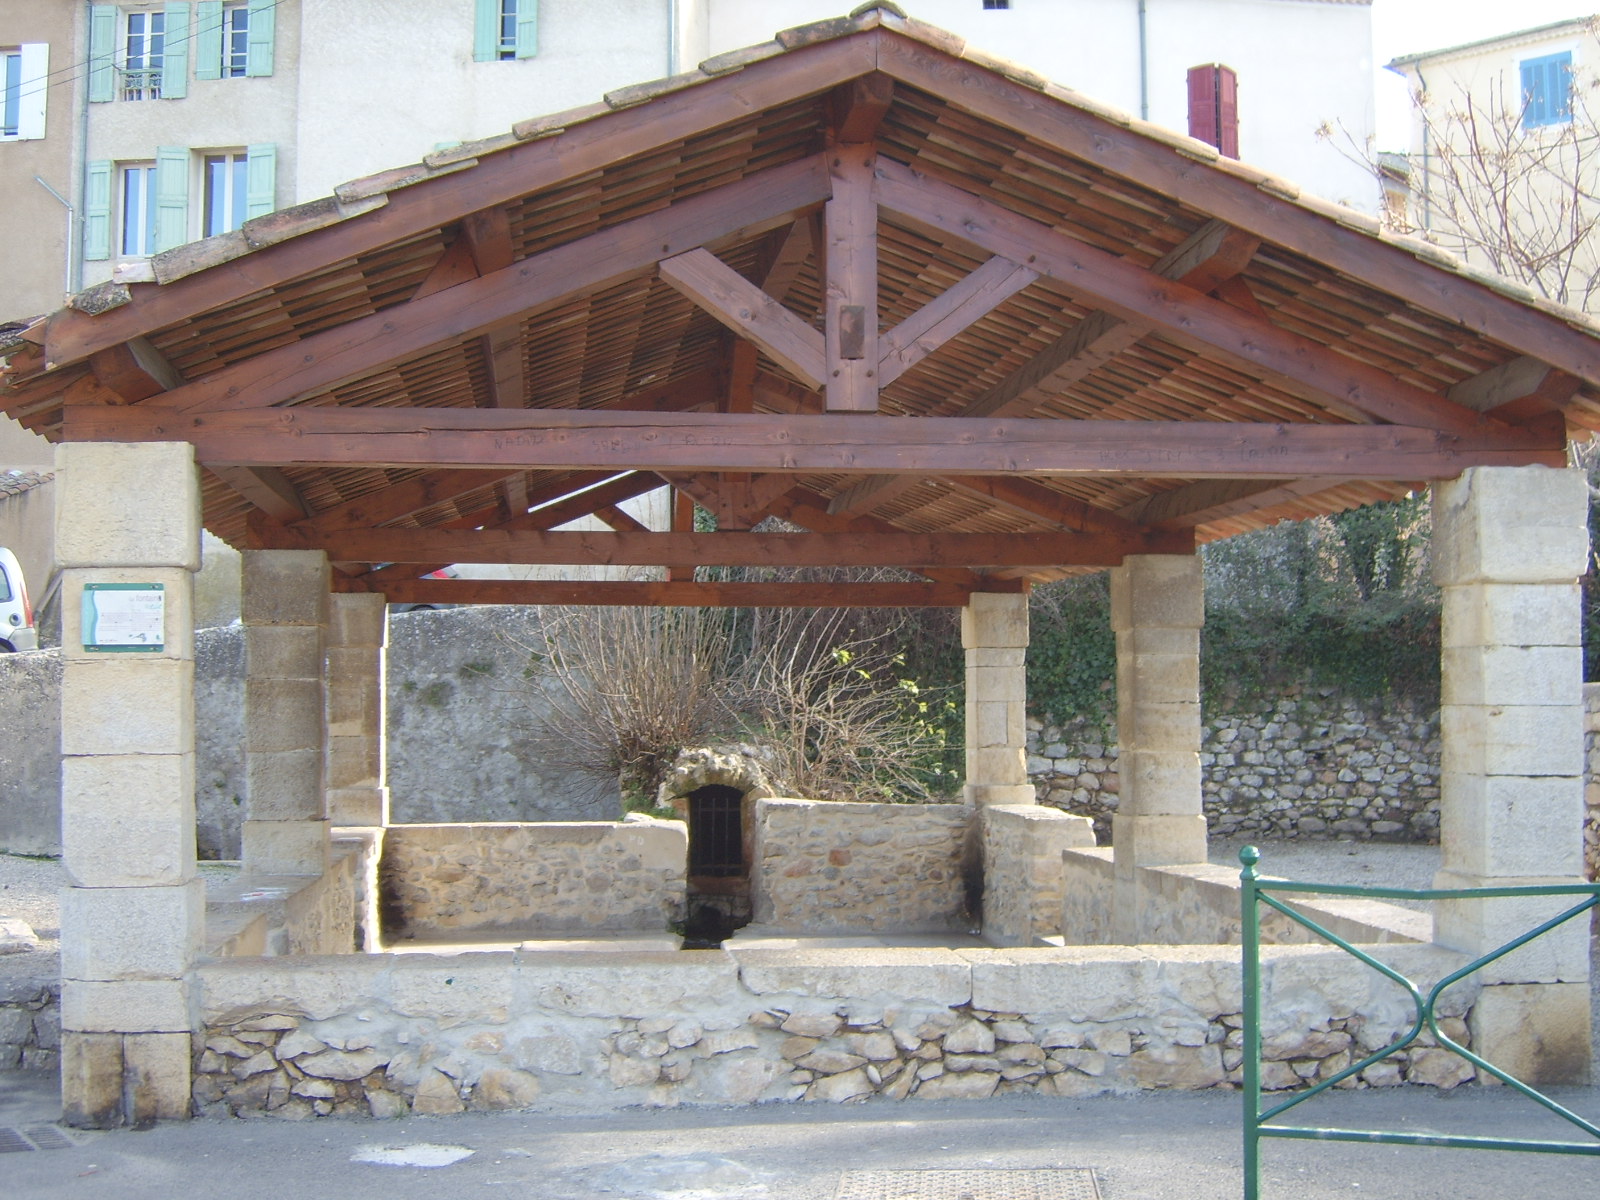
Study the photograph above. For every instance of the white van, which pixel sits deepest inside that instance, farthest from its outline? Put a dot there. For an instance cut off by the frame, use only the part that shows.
(16, 614)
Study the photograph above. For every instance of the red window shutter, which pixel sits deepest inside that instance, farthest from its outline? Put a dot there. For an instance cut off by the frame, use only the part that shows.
(1214, 107)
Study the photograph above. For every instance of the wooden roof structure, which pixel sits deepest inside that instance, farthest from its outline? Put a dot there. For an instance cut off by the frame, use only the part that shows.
(934, 310)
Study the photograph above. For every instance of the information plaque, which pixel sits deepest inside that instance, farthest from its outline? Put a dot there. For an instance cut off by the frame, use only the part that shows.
(124, 618)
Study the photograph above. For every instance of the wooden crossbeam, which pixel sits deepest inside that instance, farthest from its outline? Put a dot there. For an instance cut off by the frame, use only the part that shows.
(564, 439)
(413, 495)
(1180, 313)
(633, 549)
(857, 108)
(1517, 391)
(1213, 499)
(1035, 500)
(322, 360)
(748, 311)
(947, 315)
(661, 593)
(268, 488)
(737, 503)
(1207, 258)
(850, 296)
(134, 371)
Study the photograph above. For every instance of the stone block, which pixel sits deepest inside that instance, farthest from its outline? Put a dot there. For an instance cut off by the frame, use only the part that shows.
(358, 619)
(1512, 614)
(157, 1075)
(994, 619)
(128, 820)
(283, 714)
(1164, 590)
(982, 794)
(1507, 739)
(1496, 675)
(127, 505)
(622, 984)
(1148, 841)
(1505, 826)
(998, 723)
(284, 652)
(284, 786)
(1156, 639)
(91, 1079)
(358, 806)
(997, 764)
(1144, 725)
(127, 704)
(284, 847)
(353, 762)
(131, 932)
(1072, 984)
(1480, 926)
(284, 587)
(936, 978)
(1510, 525)
(1157, 678)
(1159, 782)
(354, 697)
(128, 1006)
(1540, 1033)
(997, 685)
(177, 630)
(1007, 658)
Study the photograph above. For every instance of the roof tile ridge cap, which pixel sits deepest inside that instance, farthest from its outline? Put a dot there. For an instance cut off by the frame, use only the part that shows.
(829, 28)
(534, 128)
(634, 94)
(1005, 67)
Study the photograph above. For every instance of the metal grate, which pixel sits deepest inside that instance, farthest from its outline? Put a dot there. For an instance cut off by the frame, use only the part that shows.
(1056, 1183)
(716, 836)
(34, 1137)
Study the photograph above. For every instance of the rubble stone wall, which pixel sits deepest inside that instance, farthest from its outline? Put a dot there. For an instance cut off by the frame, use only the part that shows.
(389, 1035)
(821, 865)
(1022, 870)
(1315, 764)
(591, 876)
(30, 1022)
(1591, 758)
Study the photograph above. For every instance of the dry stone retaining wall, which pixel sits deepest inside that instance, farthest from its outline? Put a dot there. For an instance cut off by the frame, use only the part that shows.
(591, 876)
(30, 1023)
(826, 865)
(1311, 765)
(379, 1036)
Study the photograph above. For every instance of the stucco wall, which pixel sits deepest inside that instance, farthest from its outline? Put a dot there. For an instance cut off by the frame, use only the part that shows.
(821, 865)
(553, 877)
(388, 1035)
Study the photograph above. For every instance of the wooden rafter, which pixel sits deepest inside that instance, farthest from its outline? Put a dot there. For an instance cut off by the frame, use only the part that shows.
(947, 315)
(681, 594)
(748, 311)
(561, 439)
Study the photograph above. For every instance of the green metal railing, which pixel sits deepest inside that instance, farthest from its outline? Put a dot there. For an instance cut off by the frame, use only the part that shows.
(1253, 895)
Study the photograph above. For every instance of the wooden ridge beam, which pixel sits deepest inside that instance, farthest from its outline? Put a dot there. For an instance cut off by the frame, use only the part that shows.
(563, 439)
(1207, 258)
(356, 348)
(744, 308)
(1179, 313)
(634, 549)
(661, 593)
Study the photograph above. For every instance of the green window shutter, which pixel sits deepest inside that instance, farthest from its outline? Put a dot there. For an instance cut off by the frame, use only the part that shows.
(527, 28)
(208, 39)
(172, 197)
(261, 180)
(486, 31)
(258, 60)
(102, 42)
(97, 211)
(175, 58)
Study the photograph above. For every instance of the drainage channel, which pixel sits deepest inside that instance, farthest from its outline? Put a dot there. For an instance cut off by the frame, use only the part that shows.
(1057, 1183)
(15, 1139)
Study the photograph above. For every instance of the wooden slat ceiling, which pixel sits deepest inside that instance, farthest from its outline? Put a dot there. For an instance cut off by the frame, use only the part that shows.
(631, 340)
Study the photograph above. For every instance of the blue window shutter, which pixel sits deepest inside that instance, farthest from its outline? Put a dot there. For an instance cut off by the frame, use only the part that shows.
(486, 31)
(172, 197)
(102, 42)
(175, 58)
(258, 60)
(1547, 90)
(527, 28)
(97, 211)
(208, 39)
(261, 180)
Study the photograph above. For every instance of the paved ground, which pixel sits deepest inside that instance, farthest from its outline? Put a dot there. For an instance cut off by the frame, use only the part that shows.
(1171, 1146)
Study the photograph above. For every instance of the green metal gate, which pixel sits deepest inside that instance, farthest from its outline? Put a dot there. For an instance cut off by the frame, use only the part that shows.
(1255, 893)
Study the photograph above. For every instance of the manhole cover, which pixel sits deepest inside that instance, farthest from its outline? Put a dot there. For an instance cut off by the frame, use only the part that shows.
(34, 1137)
(1059, 1183)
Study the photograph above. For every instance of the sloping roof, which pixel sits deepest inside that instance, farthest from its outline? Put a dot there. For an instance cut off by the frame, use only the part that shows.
(1037, 255)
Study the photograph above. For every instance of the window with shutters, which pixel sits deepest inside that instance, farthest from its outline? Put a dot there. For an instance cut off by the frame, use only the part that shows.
(992, 5)
(1547, 90)
(11, 97)
(1214, 107)
(136, 218)
(235, 38)
(506, 30)
(226, 185)
(24, 81)
(144, 51)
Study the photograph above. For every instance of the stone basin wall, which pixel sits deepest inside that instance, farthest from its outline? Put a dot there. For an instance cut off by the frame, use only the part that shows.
(30, 1022)
(372, 1035)
(828, 865)
(572, 876)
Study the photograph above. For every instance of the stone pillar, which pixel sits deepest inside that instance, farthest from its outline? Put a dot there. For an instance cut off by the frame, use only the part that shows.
(132, 919)
(1508, 545)
(357, 637)
(994, 633)
(284, 606)
(1157, 610)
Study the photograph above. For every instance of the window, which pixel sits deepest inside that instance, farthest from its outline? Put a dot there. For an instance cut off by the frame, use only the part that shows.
(235, 41)
(226, 187)
(992, 5)
(506, 29)
(144, 50)
(1547, 90)
(24, 80)
(11, 97)
(138, 211)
